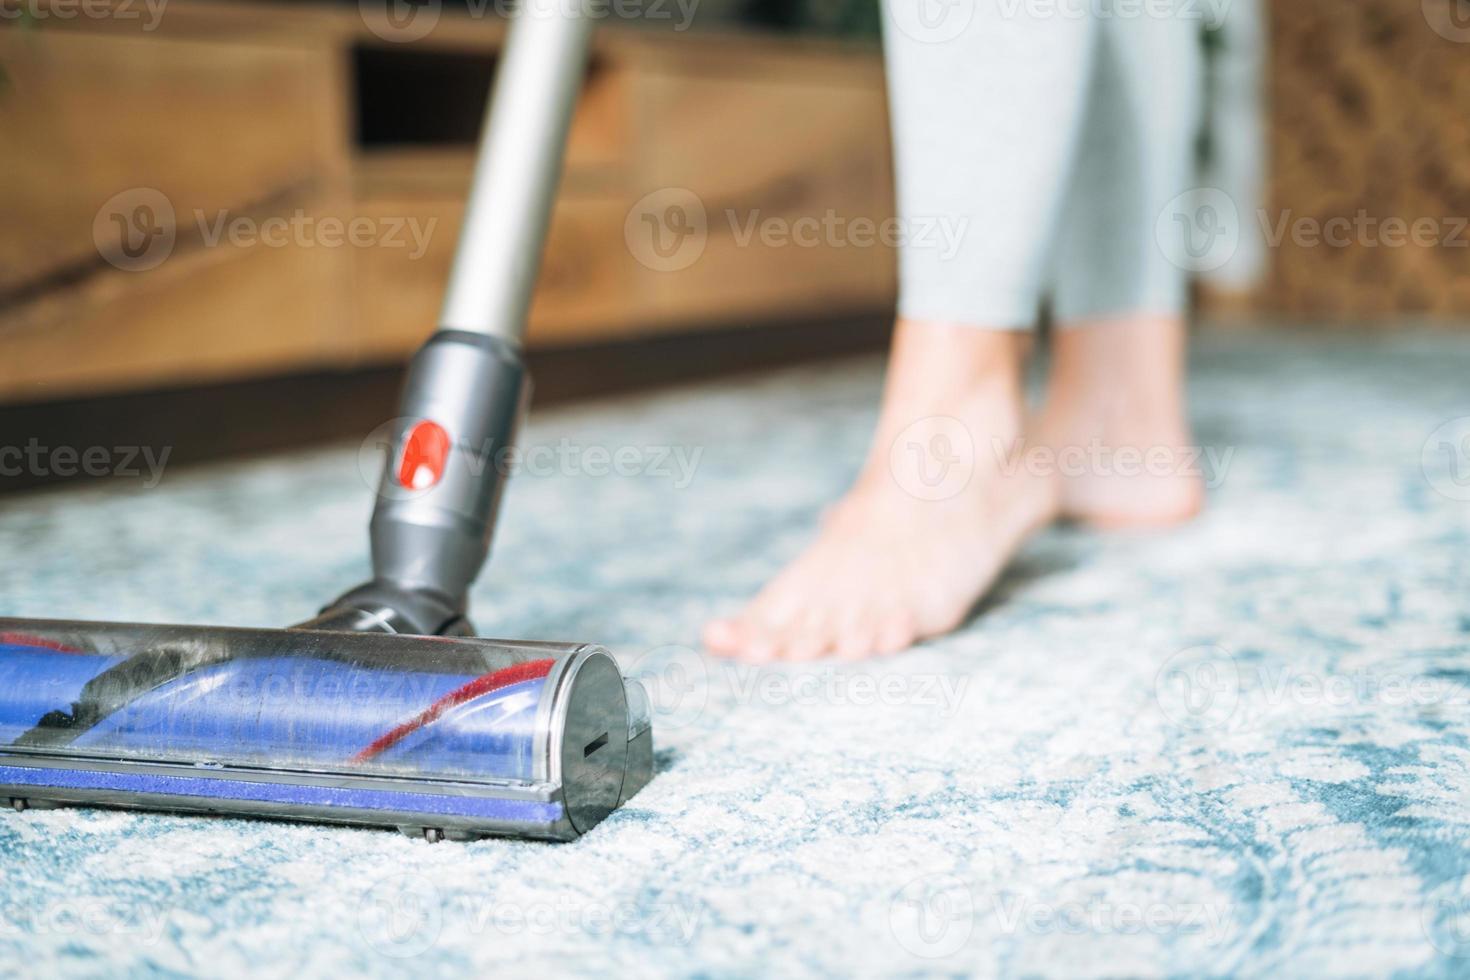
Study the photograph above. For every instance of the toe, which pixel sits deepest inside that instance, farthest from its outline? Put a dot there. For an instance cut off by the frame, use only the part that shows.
(896, 631)
(855, 645)
(810, 639)
(857, 639)
(743, 638)
(723, 636)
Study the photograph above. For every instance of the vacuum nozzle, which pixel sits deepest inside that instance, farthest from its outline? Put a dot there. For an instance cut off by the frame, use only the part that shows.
(440, 737)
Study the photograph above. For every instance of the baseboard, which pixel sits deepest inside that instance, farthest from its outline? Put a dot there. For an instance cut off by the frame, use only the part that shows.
(246, 418)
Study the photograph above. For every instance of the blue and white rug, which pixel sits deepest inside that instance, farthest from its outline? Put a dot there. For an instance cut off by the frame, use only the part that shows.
(1238, 748)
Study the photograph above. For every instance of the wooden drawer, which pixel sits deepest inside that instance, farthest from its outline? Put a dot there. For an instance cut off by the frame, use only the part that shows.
(759, 136)
(207, 314)
(211, 125)
(114, 123)
(297, 111)
(791, 168)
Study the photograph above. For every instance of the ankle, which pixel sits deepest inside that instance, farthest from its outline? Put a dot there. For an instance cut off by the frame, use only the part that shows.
(1126, 350)
(1123, 375)
(932, 356)
(951, 391)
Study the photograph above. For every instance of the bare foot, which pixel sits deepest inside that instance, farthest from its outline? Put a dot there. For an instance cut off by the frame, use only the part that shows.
(932, 520)
(1114, 429)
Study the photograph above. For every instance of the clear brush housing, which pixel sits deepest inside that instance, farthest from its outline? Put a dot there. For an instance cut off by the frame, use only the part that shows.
(361, 727)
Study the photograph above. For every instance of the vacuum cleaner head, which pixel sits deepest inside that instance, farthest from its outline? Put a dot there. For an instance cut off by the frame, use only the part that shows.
(370, 713)
(440, 737)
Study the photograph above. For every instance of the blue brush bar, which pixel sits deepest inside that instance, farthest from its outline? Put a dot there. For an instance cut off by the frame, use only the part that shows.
(285, 712)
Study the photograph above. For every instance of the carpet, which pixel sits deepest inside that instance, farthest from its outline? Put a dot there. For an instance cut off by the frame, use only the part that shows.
(1236, 748)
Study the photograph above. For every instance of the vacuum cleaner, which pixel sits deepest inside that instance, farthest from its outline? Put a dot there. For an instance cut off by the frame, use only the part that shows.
(384, 710)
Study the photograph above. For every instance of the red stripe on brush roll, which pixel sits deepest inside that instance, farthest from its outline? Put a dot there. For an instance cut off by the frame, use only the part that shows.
(479, 687)
(24, 640)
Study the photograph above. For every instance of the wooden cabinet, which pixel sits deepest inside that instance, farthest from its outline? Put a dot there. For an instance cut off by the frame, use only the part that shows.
(292, 122)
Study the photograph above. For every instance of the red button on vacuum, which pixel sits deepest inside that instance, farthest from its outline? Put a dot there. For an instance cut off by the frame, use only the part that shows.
(425, 452)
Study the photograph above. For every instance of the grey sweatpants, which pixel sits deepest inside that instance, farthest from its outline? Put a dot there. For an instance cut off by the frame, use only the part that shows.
(1048, 137)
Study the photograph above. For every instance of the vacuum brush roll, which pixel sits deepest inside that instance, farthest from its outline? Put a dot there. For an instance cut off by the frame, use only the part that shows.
(440, 737)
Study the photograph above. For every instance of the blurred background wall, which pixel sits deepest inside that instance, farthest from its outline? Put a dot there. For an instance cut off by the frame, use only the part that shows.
(197, 194)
